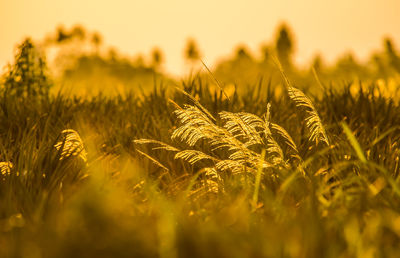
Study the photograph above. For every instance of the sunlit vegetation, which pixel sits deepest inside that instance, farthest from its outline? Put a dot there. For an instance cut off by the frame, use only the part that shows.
(254, 158)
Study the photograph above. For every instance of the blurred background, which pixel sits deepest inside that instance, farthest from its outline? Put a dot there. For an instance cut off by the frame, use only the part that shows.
(94, 46)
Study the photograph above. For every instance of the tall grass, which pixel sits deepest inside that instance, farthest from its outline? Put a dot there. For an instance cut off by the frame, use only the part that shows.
(207, 191)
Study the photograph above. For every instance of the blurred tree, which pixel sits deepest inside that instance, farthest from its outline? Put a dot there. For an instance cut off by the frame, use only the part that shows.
(242, 53)
(266, 53)
(112, 55)
(393, 59)
(240, 69)
(284, 46)
(348, 68)
(378, 66)
(78, 32)
(389, 47)
(61, 35)
(96, 40)
(243, 59)
(318, 63)
(157, 58)
(139, 61)
(192, 52)
(28, 76)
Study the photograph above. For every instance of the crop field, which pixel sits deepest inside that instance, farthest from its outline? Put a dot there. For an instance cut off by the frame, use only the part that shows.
(253, 159)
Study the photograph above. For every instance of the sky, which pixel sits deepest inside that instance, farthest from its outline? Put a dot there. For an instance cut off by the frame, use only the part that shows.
(328, 27)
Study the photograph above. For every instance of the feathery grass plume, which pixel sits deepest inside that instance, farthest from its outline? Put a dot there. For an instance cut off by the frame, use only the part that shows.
(243, 125)
(235, 145)
(272, 146)
(194, 156)
(210, 183)
(196, 103)
(196, 125)
(285, 135)
(5, 169)
(313, 121)
(71, 144)
(236, 167)
(239, 132)
(213, 181)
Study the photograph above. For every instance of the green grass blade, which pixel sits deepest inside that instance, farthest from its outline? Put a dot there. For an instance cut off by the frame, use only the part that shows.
(354, 143)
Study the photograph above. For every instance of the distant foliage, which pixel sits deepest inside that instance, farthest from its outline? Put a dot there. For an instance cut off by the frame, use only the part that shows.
(28, 76)
(192, 51)
(284, 45)
(157, 58)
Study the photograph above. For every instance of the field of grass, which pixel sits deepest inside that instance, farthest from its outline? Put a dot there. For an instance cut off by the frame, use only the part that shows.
(194, 171)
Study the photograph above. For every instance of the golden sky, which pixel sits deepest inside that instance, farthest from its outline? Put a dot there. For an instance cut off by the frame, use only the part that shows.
(330, 27)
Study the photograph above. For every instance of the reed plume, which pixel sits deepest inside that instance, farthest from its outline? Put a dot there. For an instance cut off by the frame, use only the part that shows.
(5, 169)
(71, 144)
